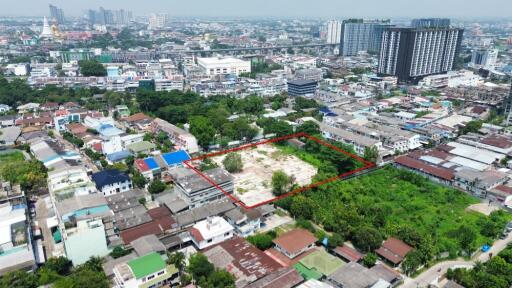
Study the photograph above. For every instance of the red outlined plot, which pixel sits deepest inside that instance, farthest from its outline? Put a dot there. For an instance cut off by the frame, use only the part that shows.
(367, 165)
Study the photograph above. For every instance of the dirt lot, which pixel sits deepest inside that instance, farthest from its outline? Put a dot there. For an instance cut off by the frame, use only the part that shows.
(483, 208)
(253, 184)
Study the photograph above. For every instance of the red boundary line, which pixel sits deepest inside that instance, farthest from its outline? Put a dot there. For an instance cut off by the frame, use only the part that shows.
(368, 165)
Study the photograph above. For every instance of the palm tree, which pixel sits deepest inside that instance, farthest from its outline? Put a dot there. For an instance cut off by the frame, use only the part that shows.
(177, 259)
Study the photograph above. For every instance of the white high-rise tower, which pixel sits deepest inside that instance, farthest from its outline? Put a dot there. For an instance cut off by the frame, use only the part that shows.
(47, 31)
(333, 32)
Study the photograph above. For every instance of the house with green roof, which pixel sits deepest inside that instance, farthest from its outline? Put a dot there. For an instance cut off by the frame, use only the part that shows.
(317, 265)
(144, 272)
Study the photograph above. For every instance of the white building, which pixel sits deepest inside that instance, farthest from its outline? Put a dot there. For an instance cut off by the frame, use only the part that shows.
(333, 32)
(86, 240)
(112, 181)
(452, 79)
(211, 231)
(169, 84)
(158, 21)
(70, 181)
(484, 58)
(181, 138)
(147, 271)
(222, 66)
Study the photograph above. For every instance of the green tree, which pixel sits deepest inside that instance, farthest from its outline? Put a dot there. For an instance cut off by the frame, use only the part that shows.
(302, 207)
(309, 127)
(61, 265)
(411, 262)
(335, 240)
(92, 68)
(177, 259)
(466, 237)
(119, 251)
(367, 238)
(371, 154)
(203, 129)
(19, 279)
(233, 163)
(199, 267)
(280, 182)
(369, 260)
(261, 241)
(219, 279)
(139, 180)
(156, 187)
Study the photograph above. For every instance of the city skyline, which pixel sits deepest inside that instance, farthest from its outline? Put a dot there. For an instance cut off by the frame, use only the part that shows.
(283, 8)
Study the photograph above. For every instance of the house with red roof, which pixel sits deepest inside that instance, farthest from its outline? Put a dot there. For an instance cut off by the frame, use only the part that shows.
(393, 251)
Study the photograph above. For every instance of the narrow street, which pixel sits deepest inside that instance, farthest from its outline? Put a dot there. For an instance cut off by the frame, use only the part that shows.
(41, 216)
(434, 273)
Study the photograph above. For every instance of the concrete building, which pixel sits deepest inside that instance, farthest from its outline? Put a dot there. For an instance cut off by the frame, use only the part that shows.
(147, 271)
(57, 14)
(302, 87)
(333, 32)
(430, 22)
(181, 138)
(111, 182)
(158, 21)
(85, 240)
(358, 35)
(15, 235)
(413, 53)
(223, 66)
(196, 190)
(211, 231)
(484, 58)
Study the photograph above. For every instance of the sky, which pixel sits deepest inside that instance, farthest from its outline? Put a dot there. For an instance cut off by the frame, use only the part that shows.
(274, 8)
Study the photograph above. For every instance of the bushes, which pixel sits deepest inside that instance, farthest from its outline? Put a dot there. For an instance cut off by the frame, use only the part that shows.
(156, 187)
(262, 241)
(233, 163)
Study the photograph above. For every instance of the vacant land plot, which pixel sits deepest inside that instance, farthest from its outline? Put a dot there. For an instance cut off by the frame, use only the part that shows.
(253, 183)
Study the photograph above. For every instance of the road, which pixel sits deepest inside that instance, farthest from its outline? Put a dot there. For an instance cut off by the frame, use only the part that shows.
(41, 215)
(433, 273)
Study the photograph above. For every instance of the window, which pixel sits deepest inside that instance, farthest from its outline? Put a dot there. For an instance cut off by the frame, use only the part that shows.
(209, 240)
(227, 234)
(150, 277)
(161, 273)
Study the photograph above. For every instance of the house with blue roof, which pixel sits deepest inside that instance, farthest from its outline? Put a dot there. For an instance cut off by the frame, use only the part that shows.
(112, 181)
(173, 159)
(152, 167)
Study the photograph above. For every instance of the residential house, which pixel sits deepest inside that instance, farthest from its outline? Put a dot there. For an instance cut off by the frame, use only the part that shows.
(147, 271)
(111, 181)
(239, 257)
(245, 221)
(179, 137)
(393, 251)
(295, 242)
(211, 231)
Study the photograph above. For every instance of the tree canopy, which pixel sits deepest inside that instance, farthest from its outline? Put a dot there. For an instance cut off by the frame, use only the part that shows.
(233, 163)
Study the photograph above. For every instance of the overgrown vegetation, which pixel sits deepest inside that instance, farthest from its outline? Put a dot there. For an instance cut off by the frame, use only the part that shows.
(391, 202)
(496, 273)
(31, 175)
(58, 273)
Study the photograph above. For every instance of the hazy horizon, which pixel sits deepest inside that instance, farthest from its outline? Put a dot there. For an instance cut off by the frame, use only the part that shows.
(276, 8)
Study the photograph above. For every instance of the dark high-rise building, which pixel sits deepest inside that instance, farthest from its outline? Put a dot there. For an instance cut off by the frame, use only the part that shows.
(302, 87)
(57, 14)
(413, 53)
(361, 35)
(430, 23)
